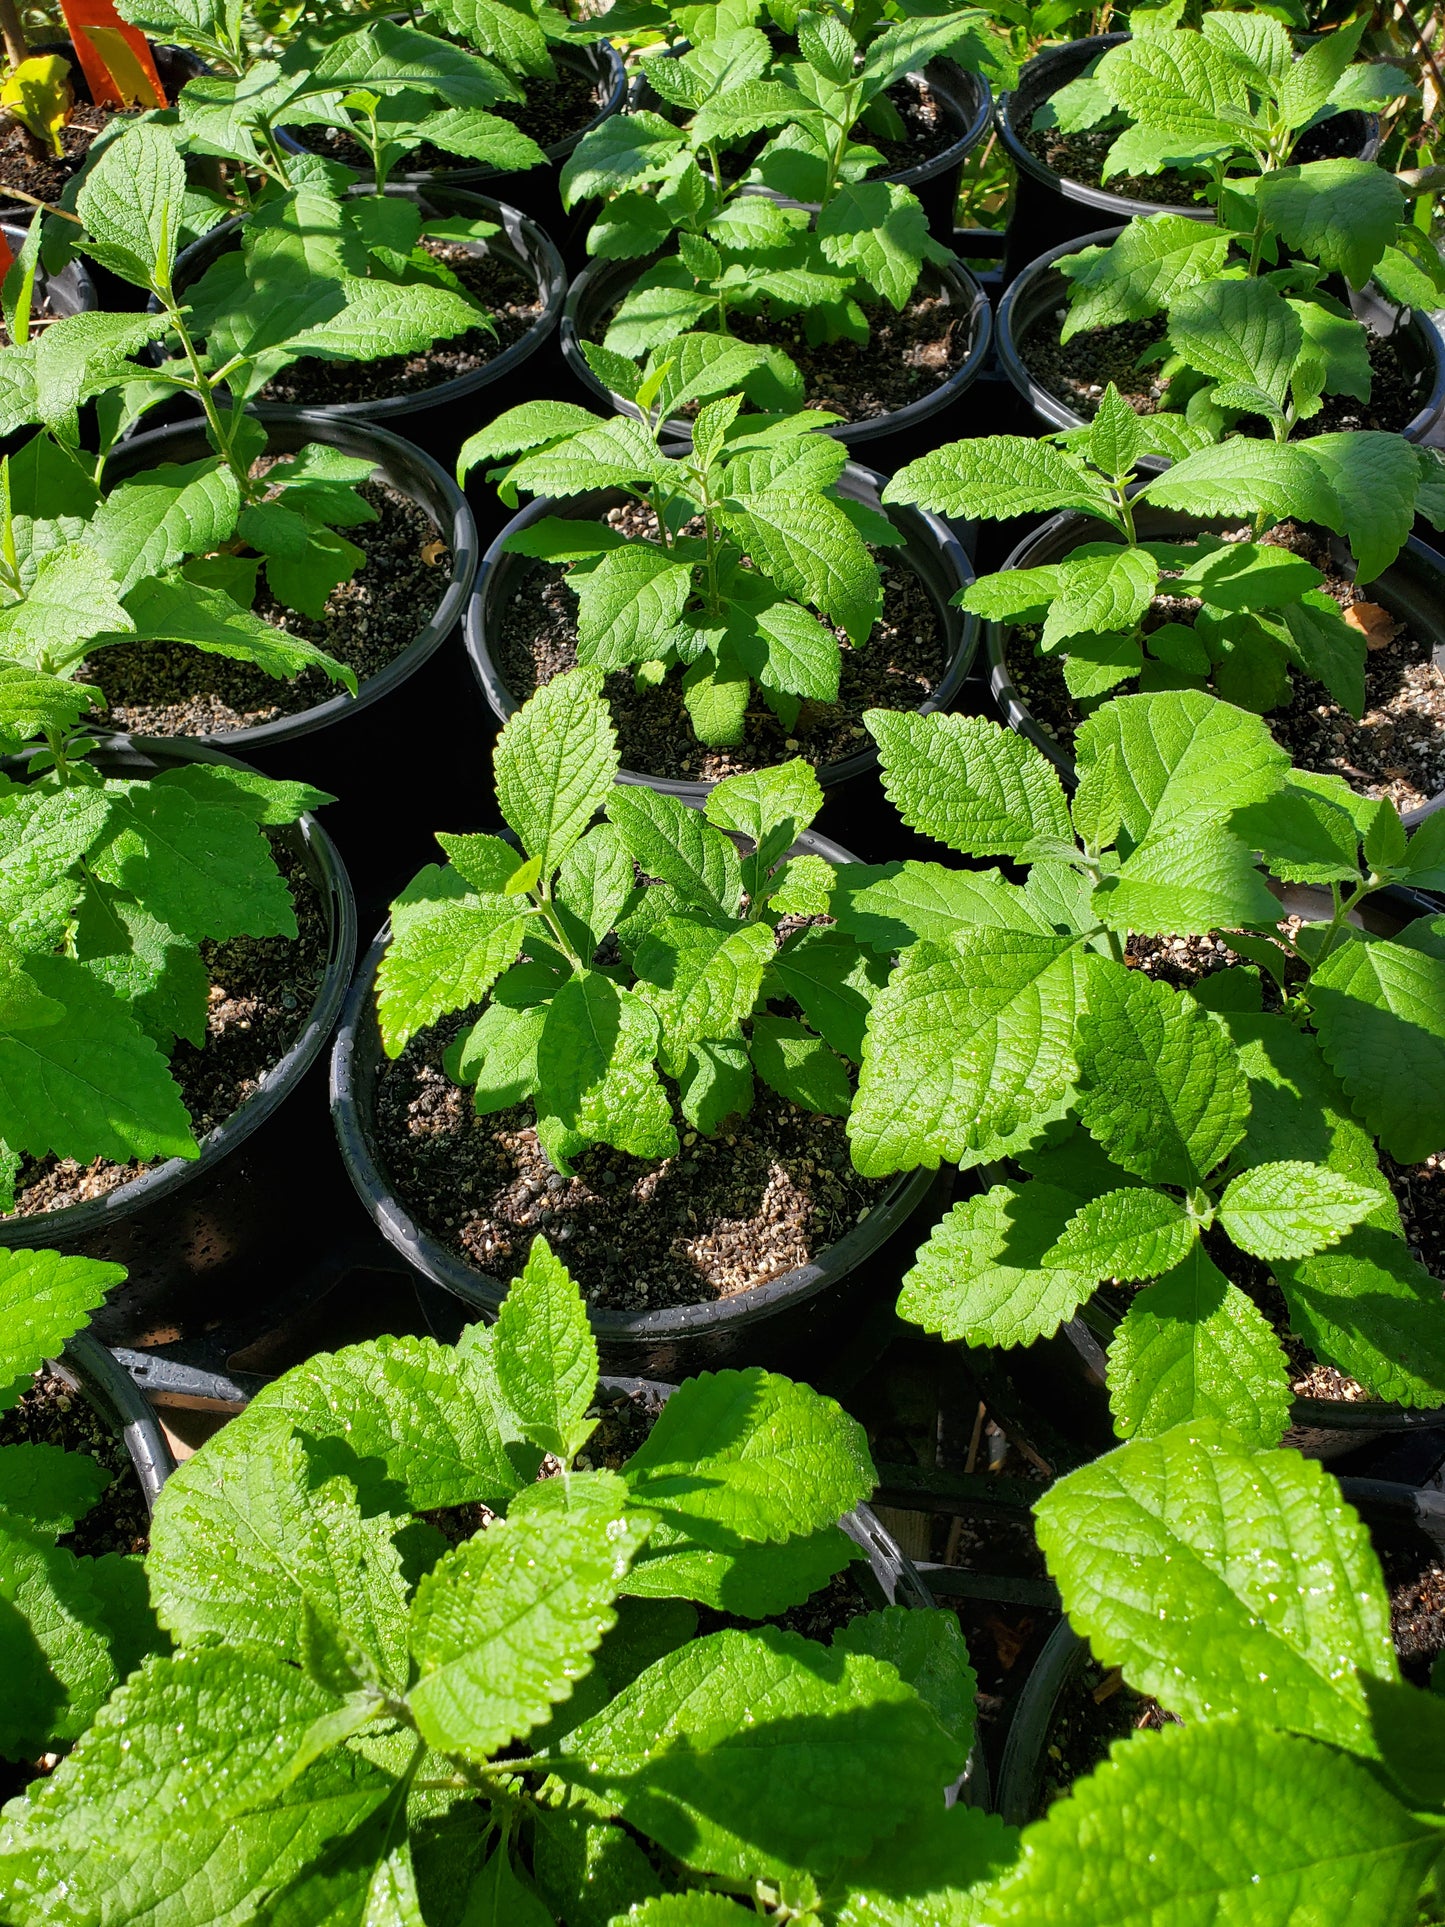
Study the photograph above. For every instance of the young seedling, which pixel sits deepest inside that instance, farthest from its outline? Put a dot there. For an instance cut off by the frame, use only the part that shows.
(107, 887)
(730, 251)
(76, 1625)
(1263, 611)
(1163, 1134)
(779, 552)
(587, 1041)
(524, 1725)
(1238, 1587)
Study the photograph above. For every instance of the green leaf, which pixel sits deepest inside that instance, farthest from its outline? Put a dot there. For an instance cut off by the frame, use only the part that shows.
(749, 1579)
(594, 882)
(71, 600)
(1188, 882)
(176, 1804)
(981, 1278)
(833, 983)
(1004, 476)
(1194, 1347)
(890, 905)
(44, 1486)
(1341, 213)
(58, 1661)
(1305, 836)
(45, 1298)
(1249, 478)
(180, 610)
(1289, 1209)
(91, 1086)
(545, 1354)
(701, 981)
(586, 1869)
(1370, 474)
(1377, 1007)
(32, 702)
(613, 454)
(1181, 83)
(1129, 1234)
(842, 1724)
(880, 231)
(1183, 758)
(715, 1083)
(967, 1042)
(1100, 593)
(499, 1057)
(929, 1652)
(500, 1896)
(807, 546)
(628, 604)
(1115, 436)
(1292, 1827)
(1161, 1087)
(447, 949)
(1224, 1580)
(978, 788)
(770, 807)
(1238, 331)
(1371, 1309)
(626, 148)
(503, 1625)
(130, 202)
(750, 1454)
(679, 847)
(530, 426)
(939, 1868)
(800, 1066)
(595, 1068)
(1153, 260)
(261, 798)
(202, 867)
(715, 693)
(170, 512)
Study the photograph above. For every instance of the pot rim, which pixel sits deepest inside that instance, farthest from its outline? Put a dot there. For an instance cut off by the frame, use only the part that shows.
(91, 1369)
(329, 877)
(448, 509)
(867, 486)
(1057, 413)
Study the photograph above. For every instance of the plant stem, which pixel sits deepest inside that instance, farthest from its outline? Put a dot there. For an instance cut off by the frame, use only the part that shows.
(17, 47)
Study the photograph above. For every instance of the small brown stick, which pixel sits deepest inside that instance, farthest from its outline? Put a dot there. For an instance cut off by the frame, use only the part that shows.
(17, 47)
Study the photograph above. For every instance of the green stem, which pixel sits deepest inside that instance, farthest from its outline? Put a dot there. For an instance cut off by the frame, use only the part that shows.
(544, 904)
(205, 386)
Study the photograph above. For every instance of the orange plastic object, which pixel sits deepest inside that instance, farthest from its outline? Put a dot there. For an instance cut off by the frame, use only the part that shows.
(115, 59)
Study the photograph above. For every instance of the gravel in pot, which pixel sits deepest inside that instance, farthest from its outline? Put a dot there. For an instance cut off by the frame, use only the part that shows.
(1063, 382)
(521, 631)
(176, 1223)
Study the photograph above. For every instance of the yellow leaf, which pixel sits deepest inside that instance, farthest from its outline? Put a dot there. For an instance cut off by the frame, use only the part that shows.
(39, 95)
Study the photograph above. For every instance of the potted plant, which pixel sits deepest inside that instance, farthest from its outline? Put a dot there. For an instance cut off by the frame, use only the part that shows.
(1138, 1543)
(1186, 600)
(1092, 125)
(1260, 1209)
(682, 1137)
(716, 255)
(558, 1615)
(780, 592)
(82, 1618)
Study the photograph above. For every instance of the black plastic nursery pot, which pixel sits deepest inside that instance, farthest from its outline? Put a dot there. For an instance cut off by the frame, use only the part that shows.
(791, 1321)
(1392, 1513)
(534, 191)
(192, 1232)
(889, 441)
(1049, 207)
(931, 550)
(424, 693)
(1058, 1382)
(439, 419)
(71, 290)
(1412, 589)
(89, 1368)
(1040, 292)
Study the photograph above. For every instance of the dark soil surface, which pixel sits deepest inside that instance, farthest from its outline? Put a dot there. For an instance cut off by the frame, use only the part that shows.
(637, 1234)
(1079, 370)
(1094, 1709)
(554, 111)
(26, 165)
(51, 1414)
(509, 296)
(167, 689)
(1415, 1576)
(1081, 157)
(262, 992)
(928, 127)
(536, 639)
(1396, 749)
